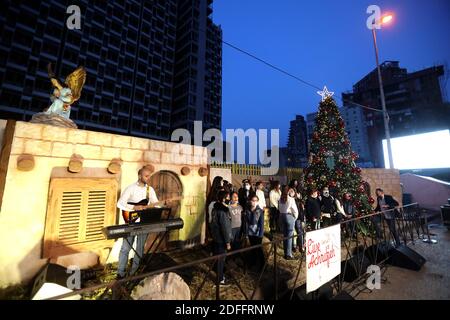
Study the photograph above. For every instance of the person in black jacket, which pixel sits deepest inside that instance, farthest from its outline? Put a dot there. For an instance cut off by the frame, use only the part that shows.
(349, 213)
(221, 230)
(387, 205)
(312, 210)
(245, 193)
(254, 217)
(327, 207)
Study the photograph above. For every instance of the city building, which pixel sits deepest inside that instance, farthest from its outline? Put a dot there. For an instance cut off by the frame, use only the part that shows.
(198, 67)
(283, 157)
(414, 102)
(152, 66)
(297, 146)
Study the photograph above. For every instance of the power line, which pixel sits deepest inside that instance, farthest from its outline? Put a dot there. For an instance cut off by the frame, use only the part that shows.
(271, 65)
(289, 74)
(292, 75)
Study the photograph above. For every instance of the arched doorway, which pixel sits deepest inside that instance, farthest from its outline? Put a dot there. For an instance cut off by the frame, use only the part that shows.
(167, 185)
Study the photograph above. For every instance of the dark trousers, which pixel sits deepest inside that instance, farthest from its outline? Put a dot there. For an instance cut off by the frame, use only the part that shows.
(392, 228)
(326, 222)
(219, 248)
(273, 219)
(256, 256)
(236, 242)
(337, 218)
(299, 230)
(351, 228)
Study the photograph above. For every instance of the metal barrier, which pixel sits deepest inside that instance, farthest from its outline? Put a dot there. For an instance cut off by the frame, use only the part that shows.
(365, 236)
(385, 230)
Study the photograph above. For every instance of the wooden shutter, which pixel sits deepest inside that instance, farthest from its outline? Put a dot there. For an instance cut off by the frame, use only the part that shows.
(77, 211)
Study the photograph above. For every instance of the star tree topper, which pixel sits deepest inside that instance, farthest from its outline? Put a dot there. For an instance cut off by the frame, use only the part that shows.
(325, 93)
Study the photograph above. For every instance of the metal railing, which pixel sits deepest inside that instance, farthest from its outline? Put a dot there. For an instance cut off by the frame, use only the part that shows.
(365, 236)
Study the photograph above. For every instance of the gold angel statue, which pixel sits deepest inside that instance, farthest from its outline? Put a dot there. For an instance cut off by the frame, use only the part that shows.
(64, 95)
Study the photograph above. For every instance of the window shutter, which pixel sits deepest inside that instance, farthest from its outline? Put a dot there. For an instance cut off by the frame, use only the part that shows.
(96, 215)
(69, 224)
(77, 211)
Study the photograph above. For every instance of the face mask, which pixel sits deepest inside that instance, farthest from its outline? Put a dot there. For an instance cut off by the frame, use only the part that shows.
(291, 194)
(227, 201)
(326, 194)
(247, 187)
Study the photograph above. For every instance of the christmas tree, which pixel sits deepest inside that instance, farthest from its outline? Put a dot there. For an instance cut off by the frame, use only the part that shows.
(331, 159)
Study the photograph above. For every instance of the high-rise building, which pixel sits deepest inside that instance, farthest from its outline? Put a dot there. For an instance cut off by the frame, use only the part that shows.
(414, 102)
(297, 147)
(152, 66)
(198, 68)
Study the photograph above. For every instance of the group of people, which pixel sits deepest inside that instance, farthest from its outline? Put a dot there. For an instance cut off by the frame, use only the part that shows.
(289, 212)
(234, 216)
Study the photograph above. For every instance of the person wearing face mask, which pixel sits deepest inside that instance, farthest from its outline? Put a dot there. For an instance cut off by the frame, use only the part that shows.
(288, 214)
(216, 185)
(300, 222)
(254, 217)
(221, 231)
(236, 212)
(245, 193)
(260, 193)
(312, 209)
(327, 207)
(274, 197)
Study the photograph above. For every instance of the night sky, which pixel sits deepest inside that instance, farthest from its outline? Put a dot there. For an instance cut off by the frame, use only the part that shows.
(322, 42)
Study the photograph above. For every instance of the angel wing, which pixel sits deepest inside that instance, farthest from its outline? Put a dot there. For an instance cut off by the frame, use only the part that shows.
(52, 77)
(75, 82)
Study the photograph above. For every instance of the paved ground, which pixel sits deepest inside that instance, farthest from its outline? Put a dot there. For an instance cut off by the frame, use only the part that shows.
(431, 282)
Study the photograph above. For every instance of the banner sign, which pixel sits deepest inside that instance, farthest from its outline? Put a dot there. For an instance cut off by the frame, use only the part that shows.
(323, 256)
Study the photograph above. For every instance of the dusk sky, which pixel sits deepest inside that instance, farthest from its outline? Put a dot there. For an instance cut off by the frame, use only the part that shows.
(322, 42)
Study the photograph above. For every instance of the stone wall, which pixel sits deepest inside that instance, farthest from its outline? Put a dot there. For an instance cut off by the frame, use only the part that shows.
(23, 201)
(386, 179)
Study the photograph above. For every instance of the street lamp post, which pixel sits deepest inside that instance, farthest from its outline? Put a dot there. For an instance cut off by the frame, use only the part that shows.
(383, 102)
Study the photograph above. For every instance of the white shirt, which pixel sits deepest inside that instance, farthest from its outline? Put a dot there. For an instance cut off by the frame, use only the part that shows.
(339, 207)
(210, 209)
(135, 193)
(274, 197)
(289, 207)
(262, 199)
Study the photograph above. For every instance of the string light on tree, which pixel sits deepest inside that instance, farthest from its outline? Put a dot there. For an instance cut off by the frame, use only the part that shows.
(332, 161)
